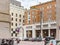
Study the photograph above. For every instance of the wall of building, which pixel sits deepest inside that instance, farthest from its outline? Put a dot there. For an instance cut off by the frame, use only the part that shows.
(57, 19)
(48, 10)
(33, 19)
(17, 18)
(4, 19)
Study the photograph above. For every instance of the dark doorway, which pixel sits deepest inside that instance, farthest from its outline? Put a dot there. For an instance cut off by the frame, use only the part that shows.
(45, 33)
(38, 33)
(53, 32)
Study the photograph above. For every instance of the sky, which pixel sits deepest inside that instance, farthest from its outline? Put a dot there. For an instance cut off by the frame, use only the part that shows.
(28, 3)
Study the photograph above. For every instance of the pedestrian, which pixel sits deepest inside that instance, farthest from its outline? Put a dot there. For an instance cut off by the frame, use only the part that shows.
(5, 43)
(17, 42)
(11, 42)
(2, 43)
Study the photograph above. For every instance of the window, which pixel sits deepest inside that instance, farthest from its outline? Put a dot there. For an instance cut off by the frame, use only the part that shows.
(12, 24)
(50, 5)
(12, 14)
(11, 18)
(16, 24)
(16, 19)
(16, 34)
(49, 18)
(23, 21)
(20, 15)
(16, 15)
(11, 34)
(12, 29)
(20, 20)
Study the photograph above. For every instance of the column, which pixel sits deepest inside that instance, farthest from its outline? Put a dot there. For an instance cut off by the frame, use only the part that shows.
(33, 34)
(41, 33)
(49, 32)
(25, 36)
(49, 29)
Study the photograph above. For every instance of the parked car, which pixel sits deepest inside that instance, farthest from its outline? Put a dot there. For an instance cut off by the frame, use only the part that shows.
(37, 39)
(26, 39)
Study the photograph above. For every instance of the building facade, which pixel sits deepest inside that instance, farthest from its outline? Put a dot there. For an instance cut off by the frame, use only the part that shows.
(57, 19)
(4, 19)
(17, 18)
(40, 20)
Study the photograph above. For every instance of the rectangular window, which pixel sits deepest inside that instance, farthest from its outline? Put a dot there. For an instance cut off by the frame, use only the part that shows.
(12, 19)
(12, 14)
(20, 20)
(16, 34)
(23, 21)
(16, 19)
(16, 15)
(12, 24)
(11, 34)
(16, 24)
(20, 15)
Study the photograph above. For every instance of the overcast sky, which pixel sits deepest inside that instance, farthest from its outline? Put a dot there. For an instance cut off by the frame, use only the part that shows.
(28, 3)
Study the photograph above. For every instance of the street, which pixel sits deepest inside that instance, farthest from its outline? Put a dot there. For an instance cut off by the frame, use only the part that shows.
(31, 43)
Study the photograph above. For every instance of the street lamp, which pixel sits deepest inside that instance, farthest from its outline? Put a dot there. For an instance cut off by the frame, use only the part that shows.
(41, 19)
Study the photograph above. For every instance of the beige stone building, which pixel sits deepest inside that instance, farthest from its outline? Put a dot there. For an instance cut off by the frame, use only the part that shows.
(17, 18)
(4, 19)
(58, 19)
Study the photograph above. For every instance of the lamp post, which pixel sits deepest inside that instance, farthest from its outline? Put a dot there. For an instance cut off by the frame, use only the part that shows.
(49, 23)
(41, 21)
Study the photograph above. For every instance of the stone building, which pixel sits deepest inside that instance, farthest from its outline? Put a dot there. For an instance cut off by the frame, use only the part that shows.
(4, 19)
(17, 18)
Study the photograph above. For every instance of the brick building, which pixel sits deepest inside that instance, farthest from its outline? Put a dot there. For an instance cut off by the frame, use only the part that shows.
(41, 20)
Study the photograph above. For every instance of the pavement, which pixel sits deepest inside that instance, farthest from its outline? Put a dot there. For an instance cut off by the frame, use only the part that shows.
(31, 43)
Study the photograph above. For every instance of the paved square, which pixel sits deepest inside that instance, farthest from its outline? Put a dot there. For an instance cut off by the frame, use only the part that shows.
(31, 43)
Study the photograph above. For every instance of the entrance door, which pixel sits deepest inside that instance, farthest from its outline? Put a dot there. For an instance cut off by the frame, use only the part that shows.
(45, 33)
(53, 32)
(29, 33)
(38, 33)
